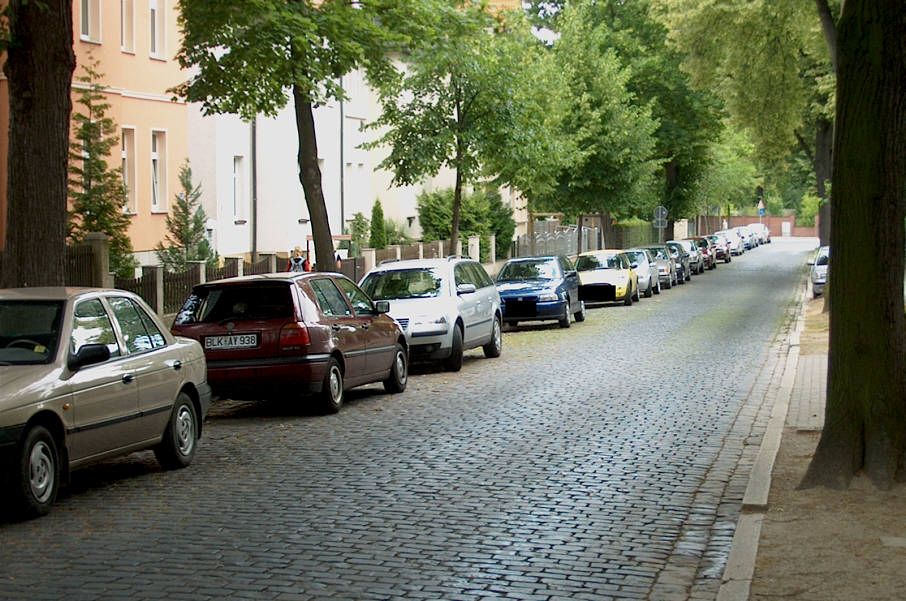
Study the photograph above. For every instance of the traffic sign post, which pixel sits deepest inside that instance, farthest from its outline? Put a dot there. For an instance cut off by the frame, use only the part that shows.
(660, 222)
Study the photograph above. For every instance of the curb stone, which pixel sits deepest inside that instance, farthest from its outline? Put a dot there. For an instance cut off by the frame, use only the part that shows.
(737, 578)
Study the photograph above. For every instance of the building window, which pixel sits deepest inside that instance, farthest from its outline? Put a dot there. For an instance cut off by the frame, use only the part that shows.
(128, 167)
(158, 171)
(90, 29)
(127, 26)
(238, 188)
(157, 16)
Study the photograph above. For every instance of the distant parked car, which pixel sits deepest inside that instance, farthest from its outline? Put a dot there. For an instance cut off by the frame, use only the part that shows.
(696, 259)
(86, 374)
(682, 260)
(747, 236)
(666, 266)
(289, 334)
(818, 271)
(444, 306)
(721, 247)
(707, 250)
(737, 245)
(645, 266)
(538, 289)
(607, 276)
(762, 231)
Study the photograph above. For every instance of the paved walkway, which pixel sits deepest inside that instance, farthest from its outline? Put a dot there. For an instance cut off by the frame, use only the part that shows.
(809, 394)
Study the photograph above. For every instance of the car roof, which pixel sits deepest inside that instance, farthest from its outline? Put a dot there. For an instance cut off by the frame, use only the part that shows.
(393, 265)
(606, 252)
(51, 292)
(280, 276)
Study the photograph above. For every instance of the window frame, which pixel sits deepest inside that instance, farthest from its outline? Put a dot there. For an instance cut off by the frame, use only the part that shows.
(158, 171)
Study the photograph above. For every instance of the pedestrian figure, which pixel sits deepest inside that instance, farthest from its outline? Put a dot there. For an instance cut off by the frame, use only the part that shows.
(297, 262)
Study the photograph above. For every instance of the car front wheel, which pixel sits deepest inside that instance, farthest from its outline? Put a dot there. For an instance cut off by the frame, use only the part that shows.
(38, 474)
(177, 448)
(399, 372)
(454, 361)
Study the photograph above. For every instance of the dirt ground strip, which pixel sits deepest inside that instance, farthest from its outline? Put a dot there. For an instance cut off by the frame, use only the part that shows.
(828, 545)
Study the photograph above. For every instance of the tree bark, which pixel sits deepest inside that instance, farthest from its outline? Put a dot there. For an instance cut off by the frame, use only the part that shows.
(310, 176)
(39, 67)
(865, 423)
(830, 30)
(823, 161)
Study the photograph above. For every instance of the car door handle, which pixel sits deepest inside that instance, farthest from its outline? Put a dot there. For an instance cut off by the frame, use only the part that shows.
(365, 326)
(337, 327)
(127, 378)
(177, 365)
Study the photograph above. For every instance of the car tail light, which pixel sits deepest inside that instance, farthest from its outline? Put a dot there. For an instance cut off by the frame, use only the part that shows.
(294, 336)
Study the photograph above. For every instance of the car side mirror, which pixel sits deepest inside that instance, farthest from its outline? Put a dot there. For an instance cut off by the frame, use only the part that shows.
(572, 273)
(465, 289)
(88, 354)
(381, 307)
(810, 262)
(634, 265)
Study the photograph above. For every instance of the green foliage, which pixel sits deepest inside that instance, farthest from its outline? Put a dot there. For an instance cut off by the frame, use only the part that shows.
(732, 177)
(378, 237)
(186, 240)
(483, 214)
(396, 233)
(96, 191)
(360, 230)
(614, 164)
(471, 101)
(811, 203)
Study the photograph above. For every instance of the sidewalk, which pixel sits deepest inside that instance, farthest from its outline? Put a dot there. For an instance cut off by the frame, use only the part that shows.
(816, 544)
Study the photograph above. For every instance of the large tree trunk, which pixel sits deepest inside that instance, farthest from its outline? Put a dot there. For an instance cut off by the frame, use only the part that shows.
(865, 425)
(39, 67)
(310, 176)
(824, 155)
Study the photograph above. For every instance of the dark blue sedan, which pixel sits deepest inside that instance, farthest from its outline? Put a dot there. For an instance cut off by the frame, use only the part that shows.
(539, 289)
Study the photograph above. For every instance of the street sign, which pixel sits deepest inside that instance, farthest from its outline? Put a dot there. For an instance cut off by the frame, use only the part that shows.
(660, 213)
(660, 223)
(760, 211)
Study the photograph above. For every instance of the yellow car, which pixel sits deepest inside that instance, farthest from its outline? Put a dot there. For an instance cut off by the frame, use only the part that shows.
(606, 276)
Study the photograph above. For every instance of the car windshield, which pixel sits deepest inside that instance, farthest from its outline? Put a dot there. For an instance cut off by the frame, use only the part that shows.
(822, 259)
(592, 262)
(237, 303)
(702, 243)
(29, 331)
(518, 271)
(637, 256)
(402, 283)
(660, 253)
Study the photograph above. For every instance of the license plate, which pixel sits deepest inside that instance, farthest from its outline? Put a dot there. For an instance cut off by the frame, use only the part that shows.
(231, 341)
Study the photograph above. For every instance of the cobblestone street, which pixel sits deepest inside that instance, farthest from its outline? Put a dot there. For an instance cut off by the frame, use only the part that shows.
(605, 461)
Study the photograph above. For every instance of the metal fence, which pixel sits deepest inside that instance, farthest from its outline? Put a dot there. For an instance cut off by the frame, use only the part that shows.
(562, 241)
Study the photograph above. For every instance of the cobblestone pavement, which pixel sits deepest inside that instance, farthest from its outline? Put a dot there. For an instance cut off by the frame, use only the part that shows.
(607, 461)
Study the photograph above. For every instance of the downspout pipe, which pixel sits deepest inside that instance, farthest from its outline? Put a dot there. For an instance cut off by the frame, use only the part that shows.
(254, 182)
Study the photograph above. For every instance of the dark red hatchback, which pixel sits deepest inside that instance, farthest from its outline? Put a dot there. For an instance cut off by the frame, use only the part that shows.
(284, 334)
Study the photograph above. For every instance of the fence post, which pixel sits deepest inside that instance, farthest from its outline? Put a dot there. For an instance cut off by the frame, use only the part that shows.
(370, 256)
(237, 261)
(475, 247)
(458, 250)
(492, 244)
(421, 250)
(201, 275)
(100, 248)
(398, 249)
(155, 273)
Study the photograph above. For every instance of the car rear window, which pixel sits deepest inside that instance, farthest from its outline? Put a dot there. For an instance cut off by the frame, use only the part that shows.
(238, 303)
(29, 331)
(517, 271)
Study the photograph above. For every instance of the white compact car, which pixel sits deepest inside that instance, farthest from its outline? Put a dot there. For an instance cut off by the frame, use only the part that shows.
(444, 306)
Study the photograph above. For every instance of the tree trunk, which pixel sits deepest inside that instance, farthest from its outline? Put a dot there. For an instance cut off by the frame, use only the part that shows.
(310, 176)
(457, 207)
(39, 67)
(865, 423)
(823, 160)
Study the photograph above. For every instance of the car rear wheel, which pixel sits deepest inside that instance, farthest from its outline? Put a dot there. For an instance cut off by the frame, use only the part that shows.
(658, 289)
(650, 290)
(177, 448)
(399, 372)
(331, 396)
(495, 345)
(454, 361)
(39, 474)
(580, 314)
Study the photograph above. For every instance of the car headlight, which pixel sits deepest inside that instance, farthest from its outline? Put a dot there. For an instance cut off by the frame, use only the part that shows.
(548, 296)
